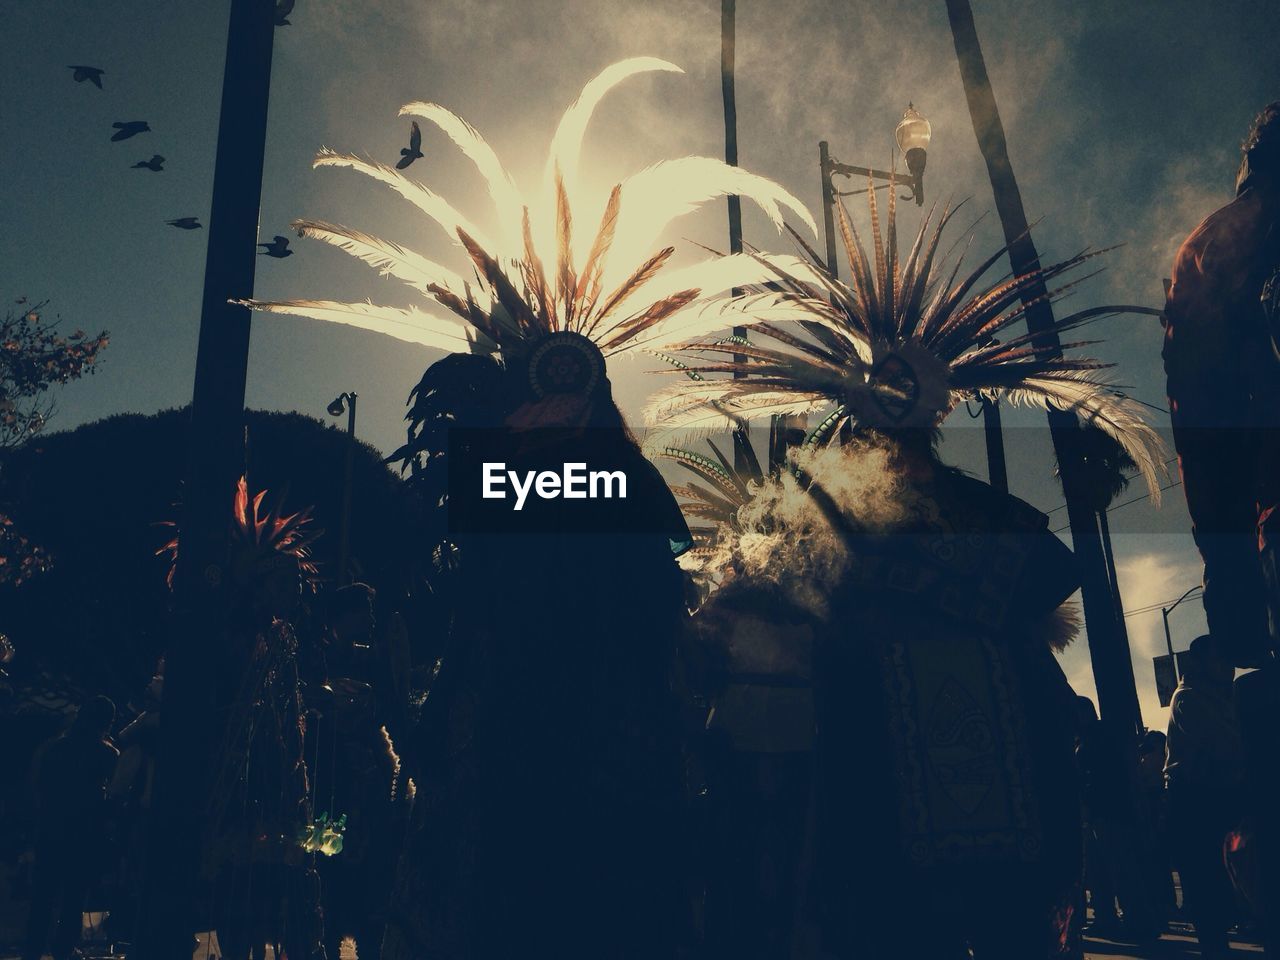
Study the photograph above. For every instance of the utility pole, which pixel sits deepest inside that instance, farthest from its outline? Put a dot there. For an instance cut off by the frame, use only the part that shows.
(1109, 654)
(728, 46)
(215, 460)
(728, 43)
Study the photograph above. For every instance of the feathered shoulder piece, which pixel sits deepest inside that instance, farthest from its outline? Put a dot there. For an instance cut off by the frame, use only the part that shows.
(720, 489)
(896, 348)
(538, 282)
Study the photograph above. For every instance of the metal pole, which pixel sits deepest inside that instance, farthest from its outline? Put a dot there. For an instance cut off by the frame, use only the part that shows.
(344, 550)
(997, 473)
(1112, 667)
(1168, 641)
(828, 206)
(728, 42)
(215, 459)
(1168, 637)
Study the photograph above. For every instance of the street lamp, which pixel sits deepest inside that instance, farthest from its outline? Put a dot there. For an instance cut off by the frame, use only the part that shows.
(345, 402)
(912, 134)
(1168, 637)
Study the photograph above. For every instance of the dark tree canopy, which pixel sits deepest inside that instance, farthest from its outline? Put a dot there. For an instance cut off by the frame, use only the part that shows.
(92, 497)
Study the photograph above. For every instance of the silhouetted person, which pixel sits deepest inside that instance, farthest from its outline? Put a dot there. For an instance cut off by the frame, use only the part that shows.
(1099, 807)
(71, 776)
(549, 824)
(1222, 362)
(93, 74)
(758, 647)
(130, 795)
(414, 150)
(356, 775)
(1204, 773)
(155, 164)
(129, 128)
(1222, 387)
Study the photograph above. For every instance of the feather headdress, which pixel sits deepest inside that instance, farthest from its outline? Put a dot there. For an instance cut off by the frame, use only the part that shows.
(721, 487)
(898, 347)
(536, 276)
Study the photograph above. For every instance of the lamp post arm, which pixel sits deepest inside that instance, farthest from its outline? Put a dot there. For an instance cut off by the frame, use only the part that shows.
(836, 168)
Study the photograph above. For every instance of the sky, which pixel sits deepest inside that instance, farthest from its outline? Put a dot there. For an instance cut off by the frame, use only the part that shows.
(1123, 120)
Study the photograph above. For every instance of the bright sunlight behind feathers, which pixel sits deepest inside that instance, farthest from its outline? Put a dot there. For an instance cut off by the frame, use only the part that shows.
(595, 279)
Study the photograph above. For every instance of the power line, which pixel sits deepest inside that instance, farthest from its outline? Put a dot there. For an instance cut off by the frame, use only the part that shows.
(1063, 506)
(1153, 607)
(1117, 506)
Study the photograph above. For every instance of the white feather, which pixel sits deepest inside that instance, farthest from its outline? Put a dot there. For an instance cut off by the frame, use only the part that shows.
(659, 194)
(507, 199)
(704, 318)
(719, 274)
(566, 145)
(1120, 418)
(409, 324)
(429, 202)
(389, 258)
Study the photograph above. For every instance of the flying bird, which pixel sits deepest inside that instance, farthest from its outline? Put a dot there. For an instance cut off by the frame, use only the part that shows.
(414, 150)
(92, 74)
(185, 223)
(283, 9)
(278, 248)
(129, 129)
(155, 164)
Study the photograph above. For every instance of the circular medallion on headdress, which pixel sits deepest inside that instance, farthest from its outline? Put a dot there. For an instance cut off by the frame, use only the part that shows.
(907, 387)
(565, 363)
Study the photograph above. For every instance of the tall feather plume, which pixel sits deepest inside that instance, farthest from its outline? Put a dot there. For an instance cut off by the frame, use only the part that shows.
(566, 145)
(566, 280)
(590, 279)
(389, 258)
(425, 200)
(533, 281)
(507, 199)
(861, 339)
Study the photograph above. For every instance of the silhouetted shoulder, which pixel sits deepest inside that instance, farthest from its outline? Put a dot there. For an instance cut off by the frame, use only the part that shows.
(1216, 257)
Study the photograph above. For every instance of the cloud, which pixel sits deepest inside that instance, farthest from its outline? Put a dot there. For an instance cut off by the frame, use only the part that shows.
(1154, 580)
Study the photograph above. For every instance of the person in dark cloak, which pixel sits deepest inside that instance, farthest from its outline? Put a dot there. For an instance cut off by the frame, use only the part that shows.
(948, 812)
(1222, 358)
(354, 776)
(549, 823)
(71, 776)
(1204, 774)
(1223, 385)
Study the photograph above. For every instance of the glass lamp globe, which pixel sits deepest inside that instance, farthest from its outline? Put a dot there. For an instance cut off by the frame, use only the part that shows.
(913, 131)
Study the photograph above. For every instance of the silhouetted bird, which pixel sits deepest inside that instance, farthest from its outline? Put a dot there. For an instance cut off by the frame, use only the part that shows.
(185, 223)
(414, 150)
(283, 9)
(278, 248)
(155, 164)
(130, 129)
(92, 74)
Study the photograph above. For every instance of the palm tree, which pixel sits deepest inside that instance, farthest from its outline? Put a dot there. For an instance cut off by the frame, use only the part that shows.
(1106, 471)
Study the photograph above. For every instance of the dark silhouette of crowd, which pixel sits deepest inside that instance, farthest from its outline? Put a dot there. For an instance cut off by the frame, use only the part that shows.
(583, 760)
